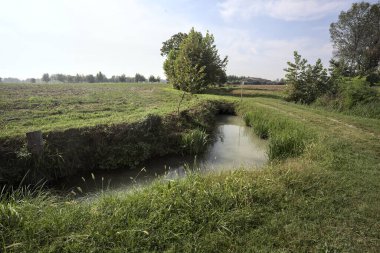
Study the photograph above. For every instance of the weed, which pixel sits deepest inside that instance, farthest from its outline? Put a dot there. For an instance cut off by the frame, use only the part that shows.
(195, 141)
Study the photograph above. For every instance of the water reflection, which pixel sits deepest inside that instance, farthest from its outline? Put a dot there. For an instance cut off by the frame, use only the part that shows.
(234, 146)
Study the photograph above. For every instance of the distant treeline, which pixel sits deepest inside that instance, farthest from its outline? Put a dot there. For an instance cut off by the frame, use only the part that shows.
(232, 79)
(98, 78)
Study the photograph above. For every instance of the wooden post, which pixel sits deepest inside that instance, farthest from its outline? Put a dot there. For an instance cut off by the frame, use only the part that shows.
(35, 143)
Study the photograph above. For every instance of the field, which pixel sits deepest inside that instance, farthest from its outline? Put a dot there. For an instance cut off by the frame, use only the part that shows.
(30, 107)
(319, 193)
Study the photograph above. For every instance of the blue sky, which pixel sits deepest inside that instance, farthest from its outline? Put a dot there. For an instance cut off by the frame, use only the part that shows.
(125, 36)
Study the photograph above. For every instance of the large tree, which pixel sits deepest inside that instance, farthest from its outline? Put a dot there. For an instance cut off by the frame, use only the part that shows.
(356, 38)
(195, 63)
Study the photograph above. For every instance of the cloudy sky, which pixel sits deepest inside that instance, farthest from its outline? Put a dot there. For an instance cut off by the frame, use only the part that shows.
(125, 36)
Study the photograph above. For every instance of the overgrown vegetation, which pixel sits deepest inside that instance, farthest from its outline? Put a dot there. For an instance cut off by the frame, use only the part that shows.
(325, 198)
(195, 141)
(286, 138)
(354, 68)
(353, 96)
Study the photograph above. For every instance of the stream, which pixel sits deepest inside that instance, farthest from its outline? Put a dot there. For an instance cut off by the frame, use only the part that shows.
(234, 146)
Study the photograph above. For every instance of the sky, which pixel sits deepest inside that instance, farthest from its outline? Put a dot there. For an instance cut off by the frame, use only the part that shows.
(125, 36)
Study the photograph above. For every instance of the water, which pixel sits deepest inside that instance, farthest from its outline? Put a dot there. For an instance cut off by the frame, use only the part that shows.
(234, 146)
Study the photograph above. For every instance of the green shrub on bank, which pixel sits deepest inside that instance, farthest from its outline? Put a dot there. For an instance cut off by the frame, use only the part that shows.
(353, 96)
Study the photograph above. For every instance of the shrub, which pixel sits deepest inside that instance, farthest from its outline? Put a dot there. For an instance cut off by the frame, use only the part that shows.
(355, 91)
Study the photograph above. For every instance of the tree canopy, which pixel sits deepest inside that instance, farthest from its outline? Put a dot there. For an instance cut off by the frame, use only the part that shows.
(356, 38)
(193, 61)
(305, 82)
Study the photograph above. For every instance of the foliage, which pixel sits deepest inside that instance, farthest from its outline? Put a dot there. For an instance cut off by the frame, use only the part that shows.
(356, 37)
(373, 78)
(195, 64)
(352, 95)
(195, 141)
(90, 78)
(46, 77)
(357, 91)
(100, 77)
(173, 43)
(139, 78)
(305, 82)
(153, 79)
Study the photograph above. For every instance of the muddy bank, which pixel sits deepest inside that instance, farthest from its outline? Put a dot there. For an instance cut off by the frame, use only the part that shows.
(104, 147)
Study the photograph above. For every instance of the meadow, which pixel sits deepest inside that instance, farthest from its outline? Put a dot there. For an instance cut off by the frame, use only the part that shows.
(46, 107)
(319, 192)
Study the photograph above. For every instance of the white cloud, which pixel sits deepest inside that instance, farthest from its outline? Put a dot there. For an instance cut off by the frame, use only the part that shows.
(288, 10)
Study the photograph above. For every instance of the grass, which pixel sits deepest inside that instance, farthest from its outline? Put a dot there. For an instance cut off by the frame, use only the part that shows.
(320, 193)
(195, 141)
(287, 138)
(47, 107)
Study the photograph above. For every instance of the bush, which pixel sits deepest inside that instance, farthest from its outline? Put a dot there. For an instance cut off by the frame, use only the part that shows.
(354, 96)
(373, 78)
(356, 91)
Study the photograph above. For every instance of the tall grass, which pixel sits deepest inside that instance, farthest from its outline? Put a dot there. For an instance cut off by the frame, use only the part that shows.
(195, 141)
(287, 138)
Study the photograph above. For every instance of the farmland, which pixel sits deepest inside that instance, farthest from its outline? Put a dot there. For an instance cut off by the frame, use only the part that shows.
(319, 192)
(29, 107)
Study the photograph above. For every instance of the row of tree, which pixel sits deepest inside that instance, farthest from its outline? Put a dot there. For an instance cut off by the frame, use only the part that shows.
(233, 79)
(98, 78)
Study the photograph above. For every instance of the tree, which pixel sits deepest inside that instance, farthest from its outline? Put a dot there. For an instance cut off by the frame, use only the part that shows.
(152, 79)
(356, 38)
(79, 78)
(193, 62)
(100, 77)
(90, 78)
(32, 80)
(122, 78)
(196, 54)
(1, 79)
(139, 78)
(46, 77)
(173, 43)
(305, 82)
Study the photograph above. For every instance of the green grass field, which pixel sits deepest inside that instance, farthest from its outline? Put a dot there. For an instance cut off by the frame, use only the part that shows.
(319, 193)
(47, 107)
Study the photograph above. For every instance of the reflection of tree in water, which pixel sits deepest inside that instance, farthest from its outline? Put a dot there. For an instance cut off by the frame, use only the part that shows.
(220, 134)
